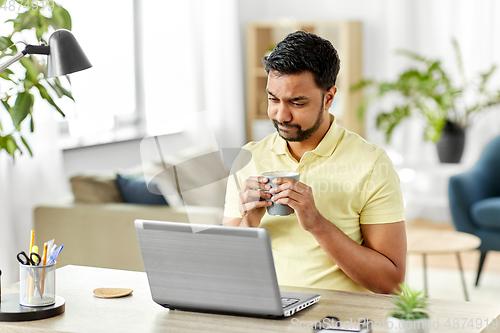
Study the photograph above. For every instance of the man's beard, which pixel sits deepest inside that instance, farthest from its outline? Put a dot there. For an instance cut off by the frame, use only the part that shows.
(301, 134)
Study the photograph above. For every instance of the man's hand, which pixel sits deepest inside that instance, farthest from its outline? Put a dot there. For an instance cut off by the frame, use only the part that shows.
(299, 196)
(251, 205)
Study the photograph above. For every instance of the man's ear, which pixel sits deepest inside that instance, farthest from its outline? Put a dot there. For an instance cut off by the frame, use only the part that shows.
(329, 95)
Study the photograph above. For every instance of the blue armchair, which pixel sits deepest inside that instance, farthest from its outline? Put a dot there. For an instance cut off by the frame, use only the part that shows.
(475, 201)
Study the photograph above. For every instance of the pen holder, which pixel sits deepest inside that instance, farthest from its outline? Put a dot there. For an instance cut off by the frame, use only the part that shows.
(37, 286)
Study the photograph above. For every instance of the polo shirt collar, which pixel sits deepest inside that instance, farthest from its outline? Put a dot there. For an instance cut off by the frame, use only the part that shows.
(325, 148)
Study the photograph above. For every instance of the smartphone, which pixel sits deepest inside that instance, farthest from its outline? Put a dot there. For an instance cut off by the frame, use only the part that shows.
(333, 324)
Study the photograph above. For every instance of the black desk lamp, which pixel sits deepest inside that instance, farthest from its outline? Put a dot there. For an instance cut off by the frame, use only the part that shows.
(65, 56)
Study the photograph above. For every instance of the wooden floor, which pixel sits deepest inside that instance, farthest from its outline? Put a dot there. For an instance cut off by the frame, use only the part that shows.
(470, 259)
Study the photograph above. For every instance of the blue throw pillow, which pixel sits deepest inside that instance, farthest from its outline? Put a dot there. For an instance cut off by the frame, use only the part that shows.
(134, 189)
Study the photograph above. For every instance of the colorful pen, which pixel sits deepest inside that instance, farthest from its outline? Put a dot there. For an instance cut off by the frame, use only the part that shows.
(29, 285)
(54, 255)
(44, 262)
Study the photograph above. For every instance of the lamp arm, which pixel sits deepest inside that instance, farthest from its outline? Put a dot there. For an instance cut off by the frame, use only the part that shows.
(29, 49)
(12, 60)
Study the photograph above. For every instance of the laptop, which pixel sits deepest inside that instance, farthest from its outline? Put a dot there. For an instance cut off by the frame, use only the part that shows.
(214, 269)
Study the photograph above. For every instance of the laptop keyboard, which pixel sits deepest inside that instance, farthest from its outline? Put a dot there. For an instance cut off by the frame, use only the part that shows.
(288, 301)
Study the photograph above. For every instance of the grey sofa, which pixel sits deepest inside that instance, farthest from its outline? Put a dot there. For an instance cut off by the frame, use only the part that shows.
(103, 235)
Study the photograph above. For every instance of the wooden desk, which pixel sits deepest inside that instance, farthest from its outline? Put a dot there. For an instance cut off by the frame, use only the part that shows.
(138, 312)
(426, 242)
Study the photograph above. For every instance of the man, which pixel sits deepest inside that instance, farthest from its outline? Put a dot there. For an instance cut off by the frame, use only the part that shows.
(348, 229)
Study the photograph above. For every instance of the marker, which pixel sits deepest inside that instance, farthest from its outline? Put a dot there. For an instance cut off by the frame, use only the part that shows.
(29, 285)
(35, 250)
(44, 256)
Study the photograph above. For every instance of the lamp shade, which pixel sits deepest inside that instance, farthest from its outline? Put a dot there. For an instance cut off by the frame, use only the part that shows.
(66, 56)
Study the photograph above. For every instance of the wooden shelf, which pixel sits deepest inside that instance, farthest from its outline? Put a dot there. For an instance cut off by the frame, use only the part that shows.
(346, 36)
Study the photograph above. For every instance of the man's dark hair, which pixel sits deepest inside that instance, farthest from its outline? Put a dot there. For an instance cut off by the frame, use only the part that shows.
(302, 51)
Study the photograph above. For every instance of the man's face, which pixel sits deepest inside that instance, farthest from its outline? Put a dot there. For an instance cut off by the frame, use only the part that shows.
(296, 105)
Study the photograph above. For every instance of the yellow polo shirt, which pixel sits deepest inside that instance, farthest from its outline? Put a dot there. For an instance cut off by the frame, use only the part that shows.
(353, 183)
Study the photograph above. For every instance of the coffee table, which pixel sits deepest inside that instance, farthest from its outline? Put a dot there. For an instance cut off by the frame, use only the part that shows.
(426, 242)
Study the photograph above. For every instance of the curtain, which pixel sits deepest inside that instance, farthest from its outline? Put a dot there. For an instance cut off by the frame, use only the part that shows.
(217, 36)
(193, 65)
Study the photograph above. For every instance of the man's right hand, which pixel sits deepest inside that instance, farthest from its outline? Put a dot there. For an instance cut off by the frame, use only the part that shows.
(252, 205)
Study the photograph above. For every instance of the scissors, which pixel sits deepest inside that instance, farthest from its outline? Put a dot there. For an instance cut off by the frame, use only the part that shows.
(23, 258)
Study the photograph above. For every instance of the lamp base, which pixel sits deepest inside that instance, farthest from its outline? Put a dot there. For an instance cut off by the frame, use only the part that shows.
(11, 310)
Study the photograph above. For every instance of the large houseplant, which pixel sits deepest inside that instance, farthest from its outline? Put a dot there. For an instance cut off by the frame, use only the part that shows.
(35, 18)
(409, 313)
(429, 91)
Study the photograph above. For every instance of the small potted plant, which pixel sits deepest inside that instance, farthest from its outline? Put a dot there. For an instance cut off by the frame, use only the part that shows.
(409, 314)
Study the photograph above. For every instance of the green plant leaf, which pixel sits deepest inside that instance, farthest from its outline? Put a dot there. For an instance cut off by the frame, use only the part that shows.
(361, 85)
(22, 107)
(26, 145)
(460, 64)
(65, 92)
(45, 95)
(10, 145)
(5, 42)
(362, 107)
(7, 47)
(26, 20)
(387, 121)
(485, 78)
(42, 27)
(409, 304)
(55, 88)
(412, 55)
(5, 75)
(59, 89)
(31, 71)
(32, 123)
(6, 105)
(61, 18)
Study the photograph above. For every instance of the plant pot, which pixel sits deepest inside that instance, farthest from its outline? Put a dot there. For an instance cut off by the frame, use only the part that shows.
(451, 144)
(395, 325)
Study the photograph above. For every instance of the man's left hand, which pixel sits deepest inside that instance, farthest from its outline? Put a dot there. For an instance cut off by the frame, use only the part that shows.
(299, 196)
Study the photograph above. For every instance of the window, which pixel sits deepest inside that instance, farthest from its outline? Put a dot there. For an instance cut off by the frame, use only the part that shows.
(105, 94)
(169, 64)
(143, 74)
(146, 75)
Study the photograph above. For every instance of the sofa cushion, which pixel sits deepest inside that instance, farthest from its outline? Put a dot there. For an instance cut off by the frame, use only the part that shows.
(95, 188)
(134, 189)
(486, 213)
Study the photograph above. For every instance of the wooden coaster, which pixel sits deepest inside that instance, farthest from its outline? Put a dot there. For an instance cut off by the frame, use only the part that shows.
(112, 292)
